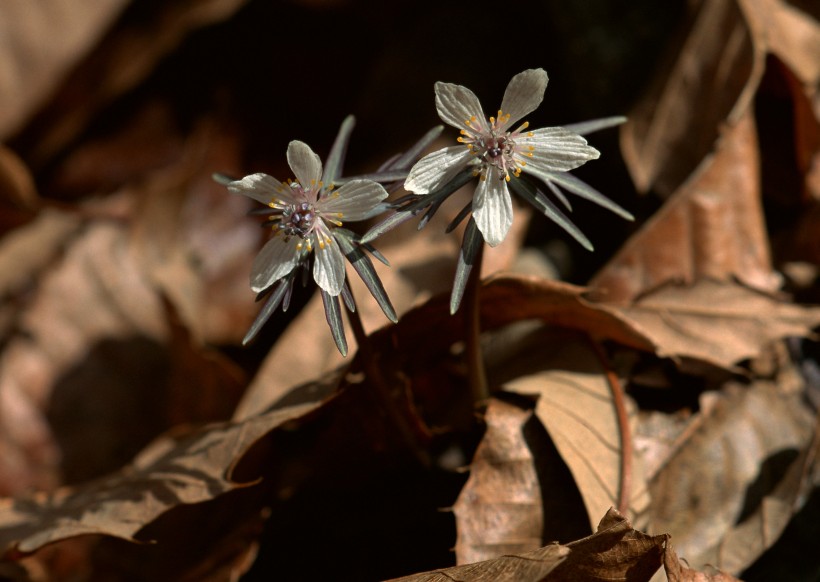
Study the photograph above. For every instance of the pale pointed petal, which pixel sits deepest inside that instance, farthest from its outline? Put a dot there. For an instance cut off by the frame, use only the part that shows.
(492, 207)
(523, 95)
(328, 265)
(355, 200)
(456, 105)
(437, 168)
(554, 149)
(276, 259)
(306, 165)
(262, 188)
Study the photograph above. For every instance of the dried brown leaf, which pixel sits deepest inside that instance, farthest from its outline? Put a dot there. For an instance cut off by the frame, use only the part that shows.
(615, 551)
(577, 407)
(169, 473)
(712, 81)
(45, 41)
(499, 511)
(720, 323)
(713, 226)
(706, 497)
(527, 567)
(677, 572)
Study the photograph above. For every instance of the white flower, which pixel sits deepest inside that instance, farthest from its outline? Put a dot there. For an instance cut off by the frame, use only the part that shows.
(497, 151)
(305, 213)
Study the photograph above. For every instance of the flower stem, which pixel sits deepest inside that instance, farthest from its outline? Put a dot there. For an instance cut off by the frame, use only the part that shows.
(472, 331)
(375, 379)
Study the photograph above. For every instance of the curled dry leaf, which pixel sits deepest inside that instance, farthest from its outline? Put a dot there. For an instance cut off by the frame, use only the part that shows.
(532, 566)
(712, 226)
(712, 81)
(711, 495)
(677, 572)
(169, 473)
(717, 322)
(577, 406)
(45, 40)
(615, 551)
(499, 511)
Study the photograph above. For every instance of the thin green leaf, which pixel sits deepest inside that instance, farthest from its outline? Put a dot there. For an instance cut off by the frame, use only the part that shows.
(584, 190)
(333, 314)
(364, 267)
(528, 192)
(470, 244)
(593, 125)
(336, 157)
(270, 306)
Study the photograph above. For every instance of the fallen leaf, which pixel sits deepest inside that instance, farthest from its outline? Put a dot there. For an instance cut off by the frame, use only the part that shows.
(716, 322)
(743, 443)
(44, 42)
(711, 82)
(712, 227)
(577, 406)
(193, 469)
(615, 551)
(676, 572)
(532, 566)
(499, 509)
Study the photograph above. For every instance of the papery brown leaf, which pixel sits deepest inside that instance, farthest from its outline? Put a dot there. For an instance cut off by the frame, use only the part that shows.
(717, 322)
(121, 59)
(499, 509)
(711, 82)
(615, 551)
(527, 567)
(711, 496)
(677, 572)
(193, 469)
(577, 406)
(46, 40)
(89, 378)
(712, 227)
(18, 194)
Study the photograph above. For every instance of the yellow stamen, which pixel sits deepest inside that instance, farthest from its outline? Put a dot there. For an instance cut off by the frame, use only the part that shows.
(321, 244)
(492, 119)
(299, 246)
(530, 134)
(507, 177)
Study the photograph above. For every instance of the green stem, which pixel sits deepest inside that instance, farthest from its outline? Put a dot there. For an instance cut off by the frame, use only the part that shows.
(472, 331)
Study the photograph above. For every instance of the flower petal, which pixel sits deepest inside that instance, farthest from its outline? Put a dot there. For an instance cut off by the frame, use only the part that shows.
(328, 264)
(553, 149)
(492, 207)
(355, 200)
(456, 105)
(276, 259)
(524, 94)
(261, 187)
(437, 168)
(306, 165)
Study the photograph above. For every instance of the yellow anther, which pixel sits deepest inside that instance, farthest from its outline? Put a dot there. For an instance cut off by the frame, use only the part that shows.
(492, 119)
(321, 245)
(507, 177)
(298, 246)
(460, 139)
(523, 163)
(463, 132)
(531, 148)
(529, 154)
(500, 114)
(530, 134)
(483, 178)
(525, 125)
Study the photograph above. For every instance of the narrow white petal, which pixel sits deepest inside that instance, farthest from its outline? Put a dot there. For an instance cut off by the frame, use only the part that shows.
(524, 94)
(276, 259)
(492, 208)
(355, 200)
(260, 187)
(328, 265)
(306, 165)
(437, 168)
(554, 149)
(457, 104)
